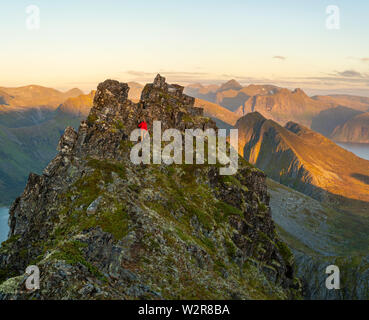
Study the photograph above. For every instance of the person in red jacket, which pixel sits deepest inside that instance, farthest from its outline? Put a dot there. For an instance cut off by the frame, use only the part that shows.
(144, 131)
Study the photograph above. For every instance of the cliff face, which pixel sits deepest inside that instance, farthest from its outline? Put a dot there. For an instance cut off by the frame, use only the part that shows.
(320, 236)
(328, 120)
(354, 130)
(100, 227)
(284, 106)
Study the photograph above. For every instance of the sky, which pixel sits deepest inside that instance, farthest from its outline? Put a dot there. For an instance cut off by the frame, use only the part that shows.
(80, 43)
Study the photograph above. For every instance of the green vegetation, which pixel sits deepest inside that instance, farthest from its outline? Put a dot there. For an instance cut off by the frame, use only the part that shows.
(225, 210)
(71, 253)
(286, 252)
(105, 168)
(27, 149)
(91, 119)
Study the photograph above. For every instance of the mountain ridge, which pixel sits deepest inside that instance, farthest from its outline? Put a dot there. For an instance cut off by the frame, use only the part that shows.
(124, 231)
(35, 96)
(303, 159)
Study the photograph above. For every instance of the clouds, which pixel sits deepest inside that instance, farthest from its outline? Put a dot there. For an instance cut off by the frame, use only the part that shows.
(350, 81)
(340, 77)
(139, 73)
(362, 59)
(282, 58)
(350, 74)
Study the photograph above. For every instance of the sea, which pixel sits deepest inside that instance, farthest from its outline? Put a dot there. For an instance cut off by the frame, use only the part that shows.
(360, 149)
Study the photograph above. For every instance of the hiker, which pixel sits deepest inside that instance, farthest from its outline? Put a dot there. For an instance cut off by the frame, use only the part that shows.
(144, 132)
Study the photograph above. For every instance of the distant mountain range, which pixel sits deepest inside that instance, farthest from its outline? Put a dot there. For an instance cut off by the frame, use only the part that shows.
(324, 114)
(35, 96)
(33, 117)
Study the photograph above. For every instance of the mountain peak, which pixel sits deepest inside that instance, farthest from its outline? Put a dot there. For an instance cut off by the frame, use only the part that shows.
(230, 85)
(74, 92)
(110, 92)
(111, 104)
(300, 92)
(252, 117)
(160, 82)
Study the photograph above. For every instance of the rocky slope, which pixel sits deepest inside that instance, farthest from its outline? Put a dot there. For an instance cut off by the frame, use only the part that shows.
(321, 236)
(305, 160)
(355, 130)
(100, 227)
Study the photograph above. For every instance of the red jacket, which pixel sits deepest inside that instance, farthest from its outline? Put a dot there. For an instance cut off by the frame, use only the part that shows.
(143, 125)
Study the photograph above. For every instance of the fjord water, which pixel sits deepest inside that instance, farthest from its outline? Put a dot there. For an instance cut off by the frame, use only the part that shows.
(359, 149)
(4, 229)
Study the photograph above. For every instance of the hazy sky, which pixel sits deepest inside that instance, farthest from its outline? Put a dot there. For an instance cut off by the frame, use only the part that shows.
(81, 43)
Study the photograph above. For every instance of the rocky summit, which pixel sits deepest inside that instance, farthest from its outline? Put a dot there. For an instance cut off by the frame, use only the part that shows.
(100, 227)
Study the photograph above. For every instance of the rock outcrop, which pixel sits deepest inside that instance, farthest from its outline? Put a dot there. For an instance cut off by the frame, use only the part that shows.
(100, 227)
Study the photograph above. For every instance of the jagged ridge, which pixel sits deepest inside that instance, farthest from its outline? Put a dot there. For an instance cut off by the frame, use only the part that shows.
(100, 227)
